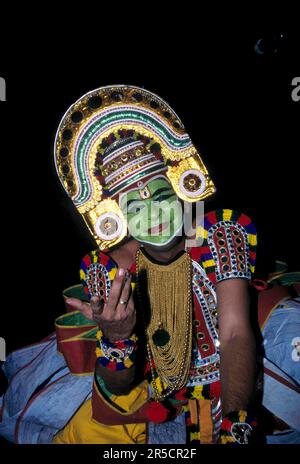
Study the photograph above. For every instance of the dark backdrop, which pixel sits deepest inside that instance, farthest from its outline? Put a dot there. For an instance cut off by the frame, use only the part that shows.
(236, 105)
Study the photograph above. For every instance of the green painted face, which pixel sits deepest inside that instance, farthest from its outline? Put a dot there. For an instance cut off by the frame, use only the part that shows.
(153, 213)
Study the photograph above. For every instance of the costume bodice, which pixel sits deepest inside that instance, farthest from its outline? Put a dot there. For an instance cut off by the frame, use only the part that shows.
(227, 244)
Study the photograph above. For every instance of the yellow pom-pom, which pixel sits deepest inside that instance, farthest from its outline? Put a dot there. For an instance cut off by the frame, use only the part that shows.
(197, 393)
(99, 334)
(195, 436)
(128, 363)
(242, 415)
(82, 274)
(98, 352)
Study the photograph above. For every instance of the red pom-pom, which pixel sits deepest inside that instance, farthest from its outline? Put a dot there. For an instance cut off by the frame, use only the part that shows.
(156, 412)
(112, 366)
(147, 368)
(180, 394)
(87, 260)
(226, 424)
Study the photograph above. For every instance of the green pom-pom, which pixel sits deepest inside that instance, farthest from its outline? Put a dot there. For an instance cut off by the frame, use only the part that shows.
(160, 337)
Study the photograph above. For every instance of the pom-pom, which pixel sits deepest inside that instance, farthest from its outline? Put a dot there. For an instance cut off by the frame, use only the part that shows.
(160, 337)
(157, 413)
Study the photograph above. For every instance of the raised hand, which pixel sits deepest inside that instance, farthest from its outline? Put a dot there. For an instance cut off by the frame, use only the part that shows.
(117, 317)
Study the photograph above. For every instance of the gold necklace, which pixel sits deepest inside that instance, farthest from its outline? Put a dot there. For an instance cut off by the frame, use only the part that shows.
(169, 331)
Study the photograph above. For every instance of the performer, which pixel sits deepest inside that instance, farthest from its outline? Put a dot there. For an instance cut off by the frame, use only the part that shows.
(166, 323)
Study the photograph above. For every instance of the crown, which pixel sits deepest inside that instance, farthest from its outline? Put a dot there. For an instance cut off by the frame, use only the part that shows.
(115, 137)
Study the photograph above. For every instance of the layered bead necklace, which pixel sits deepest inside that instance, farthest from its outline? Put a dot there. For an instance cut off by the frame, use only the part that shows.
(167, 287)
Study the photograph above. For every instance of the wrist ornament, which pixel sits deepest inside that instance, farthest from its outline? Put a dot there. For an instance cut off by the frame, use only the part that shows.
(237, 428)
(117, 355)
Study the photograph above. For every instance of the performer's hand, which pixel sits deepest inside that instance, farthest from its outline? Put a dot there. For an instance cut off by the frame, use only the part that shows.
(117, 317)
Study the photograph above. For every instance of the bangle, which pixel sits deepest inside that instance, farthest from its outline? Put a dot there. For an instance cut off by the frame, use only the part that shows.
(118, 355)
(237, 428)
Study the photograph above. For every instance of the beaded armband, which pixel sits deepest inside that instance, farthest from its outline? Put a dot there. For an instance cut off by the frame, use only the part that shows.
(237, 428)
(118, 355)
(229, 245)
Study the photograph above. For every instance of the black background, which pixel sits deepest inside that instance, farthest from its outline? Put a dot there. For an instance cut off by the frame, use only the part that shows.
(236, 106)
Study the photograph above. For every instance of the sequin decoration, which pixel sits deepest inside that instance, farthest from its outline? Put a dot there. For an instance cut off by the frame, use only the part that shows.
(206, 358)
(98, 281)
(97, 272)
(192, 183)
(230, 250)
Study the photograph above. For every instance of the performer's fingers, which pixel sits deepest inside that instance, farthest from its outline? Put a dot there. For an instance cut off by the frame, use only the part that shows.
(130, 308)
(114, 295)
(121, 312)
(78, 305)
(96, 306)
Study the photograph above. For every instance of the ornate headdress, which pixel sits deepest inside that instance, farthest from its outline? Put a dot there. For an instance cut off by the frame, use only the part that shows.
(116, 138)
